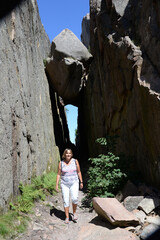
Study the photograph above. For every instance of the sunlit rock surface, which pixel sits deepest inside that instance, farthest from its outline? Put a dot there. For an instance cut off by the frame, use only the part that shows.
(85, 36)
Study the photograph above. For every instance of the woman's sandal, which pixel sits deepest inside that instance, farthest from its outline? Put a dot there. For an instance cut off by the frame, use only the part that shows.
(66, 220)
(75, 217)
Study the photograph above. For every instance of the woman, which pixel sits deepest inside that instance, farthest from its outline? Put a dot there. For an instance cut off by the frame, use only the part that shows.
(70, 174)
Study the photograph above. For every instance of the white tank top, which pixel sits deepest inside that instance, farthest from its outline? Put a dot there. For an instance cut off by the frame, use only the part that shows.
(69, 172)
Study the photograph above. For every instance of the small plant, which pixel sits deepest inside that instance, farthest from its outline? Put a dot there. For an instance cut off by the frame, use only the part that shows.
(29, 194)
(89, 49)
(49, 182)
(109, 143)
(76, 134)
(44, 62)
(105, 176)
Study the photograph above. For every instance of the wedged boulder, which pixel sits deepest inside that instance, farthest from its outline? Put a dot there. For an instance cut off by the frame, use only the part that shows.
(67, 66)
(120, 6)
(112, 210)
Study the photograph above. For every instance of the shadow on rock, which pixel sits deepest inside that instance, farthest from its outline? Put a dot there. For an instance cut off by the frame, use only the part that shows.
(59, 213)
(100, 222)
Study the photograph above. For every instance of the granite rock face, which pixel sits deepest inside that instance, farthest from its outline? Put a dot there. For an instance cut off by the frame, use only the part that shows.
(85, 36)
(122, 96)
(27, 142)
(67, 66)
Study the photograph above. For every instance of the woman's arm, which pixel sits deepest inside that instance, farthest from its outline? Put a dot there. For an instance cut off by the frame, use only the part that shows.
(79, 174)
(58, 176)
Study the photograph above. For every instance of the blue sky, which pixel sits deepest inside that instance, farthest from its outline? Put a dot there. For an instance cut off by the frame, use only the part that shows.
(56, 16)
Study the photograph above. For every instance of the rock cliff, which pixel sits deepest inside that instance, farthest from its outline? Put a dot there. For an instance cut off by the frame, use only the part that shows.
(86, 31)
(27, 142)
(122, 96)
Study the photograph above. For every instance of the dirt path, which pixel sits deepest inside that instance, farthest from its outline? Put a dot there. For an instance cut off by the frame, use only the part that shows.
(48, 224)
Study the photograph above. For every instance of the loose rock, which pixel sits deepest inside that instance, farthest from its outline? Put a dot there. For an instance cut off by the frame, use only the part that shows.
(148, 231)
(114, 212)
(131, 202)
(154, 220)
(148, 204)
(140, 215)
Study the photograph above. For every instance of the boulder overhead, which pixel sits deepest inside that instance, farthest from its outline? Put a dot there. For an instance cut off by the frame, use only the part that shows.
(70, 46)
(67, 66)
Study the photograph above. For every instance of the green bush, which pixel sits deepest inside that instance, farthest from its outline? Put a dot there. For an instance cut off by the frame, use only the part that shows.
(105, 176)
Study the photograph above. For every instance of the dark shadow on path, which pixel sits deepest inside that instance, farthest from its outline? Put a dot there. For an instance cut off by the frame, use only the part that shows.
(99, 222)
(59, 213)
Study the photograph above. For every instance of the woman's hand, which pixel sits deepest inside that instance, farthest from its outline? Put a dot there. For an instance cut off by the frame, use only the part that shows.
(57, 190)
(81, 185)
(58, 176)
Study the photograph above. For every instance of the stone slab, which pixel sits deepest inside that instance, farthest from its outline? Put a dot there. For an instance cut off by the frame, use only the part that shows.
(114, 212)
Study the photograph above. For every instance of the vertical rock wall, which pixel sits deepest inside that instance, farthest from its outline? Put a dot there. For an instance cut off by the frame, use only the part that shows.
(86, 31)
(122, 96)
(27, 143)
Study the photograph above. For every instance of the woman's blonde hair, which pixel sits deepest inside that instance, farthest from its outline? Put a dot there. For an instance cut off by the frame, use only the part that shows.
(64, 153)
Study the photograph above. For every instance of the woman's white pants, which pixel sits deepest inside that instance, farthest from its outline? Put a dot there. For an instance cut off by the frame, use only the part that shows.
(70, 191)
